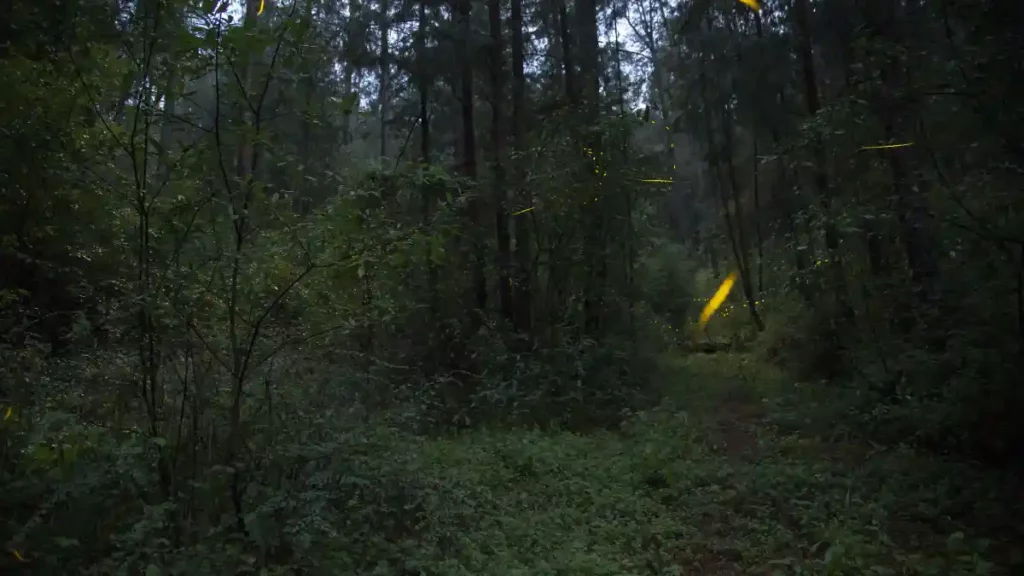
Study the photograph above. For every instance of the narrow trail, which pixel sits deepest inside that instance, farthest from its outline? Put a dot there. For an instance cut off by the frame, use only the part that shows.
(738, 418)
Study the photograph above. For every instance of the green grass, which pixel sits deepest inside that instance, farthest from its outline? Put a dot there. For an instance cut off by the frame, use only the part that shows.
(721, 479)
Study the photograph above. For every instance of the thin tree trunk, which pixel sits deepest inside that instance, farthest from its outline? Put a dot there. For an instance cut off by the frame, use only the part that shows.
(821, 183)
(423, 84)
(465, 9)
(739, 241)
(385, 74)
(757, 181)
(619, 89)
(524, 273)
(349, 68)
(714, 162)
(911, 200)
(497, 73)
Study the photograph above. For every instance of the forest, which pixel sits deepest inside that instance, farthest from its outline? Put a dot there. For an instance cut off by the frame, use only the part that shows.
(425, 287)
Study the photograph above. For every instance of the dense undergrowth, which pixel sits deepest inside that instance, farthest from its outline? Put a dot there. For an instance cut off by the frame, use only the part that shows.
(733, 474)
(739, 471)
(736, 473)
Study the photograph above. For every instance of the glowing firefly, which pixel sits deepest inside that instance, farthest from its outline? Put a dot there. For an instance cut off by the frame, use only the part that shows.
(887, 146)
(717, 299)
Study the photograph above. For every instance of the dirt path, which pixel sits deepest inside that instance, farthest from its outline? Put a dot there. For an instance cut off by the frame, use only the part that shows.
(738, 418)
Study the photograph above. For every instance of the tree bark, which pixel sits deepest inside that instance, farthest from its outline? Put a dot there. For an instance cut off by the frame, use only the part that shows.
(497, 81)
(523, 297)
(469, 168)
(565, 37)
(385, 74)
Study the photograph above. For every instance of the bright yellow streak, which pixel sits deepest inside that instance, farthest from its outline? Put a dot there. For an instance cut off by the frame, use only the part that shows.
(17, 555)
(717, 299)
(7, 414)
(524, 211)
(752, 3)
(655, 181)
(261, 7)
(884, 146)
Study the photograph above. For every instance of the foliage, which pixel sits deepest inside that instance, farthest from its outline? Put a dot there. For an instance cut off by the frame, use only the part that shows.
(390, 288)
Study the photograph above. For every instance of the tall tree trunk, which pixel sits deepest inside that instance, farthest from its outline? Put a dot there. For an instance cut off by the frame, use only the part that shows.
(735, 223)
(756, 169)
(589, 67)
(349, 70)
(465, 9)
(897, 120)
(524, 273)
(620, 91)
(733, 229)
(385, 74)
(423, 85)
(346, 123)
(553, 33)
(740, 242)
(596, 224)
(821, 183)
(497, 78)
(565, 37)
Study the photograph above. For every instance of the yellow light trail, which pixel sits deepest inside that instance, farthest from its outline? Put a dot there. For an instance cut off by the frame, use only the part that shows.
(260, 11)
(717, 299)
(886, 146)
(523, 211)
(754, 5)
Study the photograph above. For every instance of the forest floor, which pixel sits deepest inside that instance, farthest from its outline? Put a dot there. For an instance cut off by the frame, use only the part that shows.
(729, 476)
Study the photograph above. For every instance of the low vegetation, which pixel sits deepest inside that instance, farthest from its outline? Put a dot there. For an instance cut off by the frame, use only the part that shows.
(331, 287)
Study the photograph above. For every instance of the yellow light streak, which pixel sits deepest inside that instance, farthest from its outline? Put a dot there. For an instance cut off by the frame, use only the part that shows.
(523, 211)
(717, 299)
(887, 146)
(754, 5)
(260, 11)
